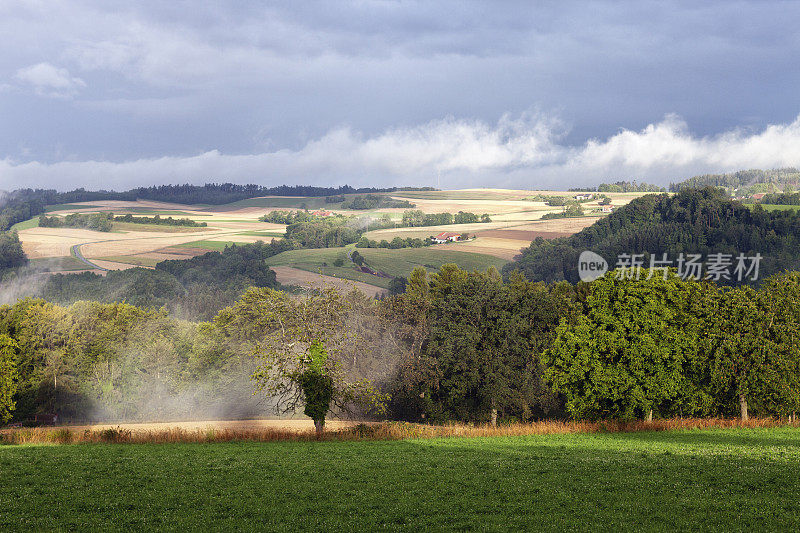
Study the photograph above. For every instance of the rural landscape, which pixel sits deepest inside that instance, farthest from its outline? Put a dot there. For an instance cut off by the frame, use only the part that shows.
(399, 266)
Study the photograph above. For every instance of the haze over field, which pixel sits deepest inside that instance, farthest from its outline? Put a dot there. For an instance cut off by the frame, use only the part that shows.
(111, 95)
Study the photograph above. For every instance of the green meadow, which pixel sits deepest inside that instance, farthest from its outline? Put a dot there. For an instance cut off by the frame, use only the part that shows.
(731, 480)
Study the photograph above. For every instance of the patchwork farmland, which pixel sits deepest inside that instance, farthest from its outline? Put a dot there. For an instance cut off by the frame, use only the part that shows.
(516, 219)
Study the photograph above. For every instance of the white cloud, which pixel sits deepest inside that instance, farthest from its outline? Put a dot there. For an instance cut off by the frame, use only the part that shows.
(523, 153)
(49, 80)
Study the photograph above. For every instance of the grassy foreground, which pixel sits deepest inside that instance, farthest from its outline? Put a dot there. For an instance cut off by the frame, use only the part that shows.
(722, 479)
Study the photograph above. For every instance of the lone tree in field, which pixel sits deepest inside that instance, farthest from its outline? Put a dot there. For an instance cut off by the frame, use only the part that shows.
(8, 376)
(300, 342)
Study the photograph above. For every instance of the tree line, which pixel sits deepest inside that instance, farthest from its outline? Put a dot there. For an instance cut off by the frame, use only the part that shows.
(454, 345)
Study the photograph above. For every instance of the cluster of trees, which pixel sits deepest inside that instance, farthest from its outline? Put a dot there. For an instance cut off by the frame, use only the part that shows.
(672, 347)
(11, 253)
(693, 221)
(325, 233)
(157, 220)
(397, 242)
(374, 201)
(481, 349)
(195, 288)
(93, 221)
(291, 217)
(13, 210)
(115, 361)
(571, 209)
(782, 198)
(416, 218)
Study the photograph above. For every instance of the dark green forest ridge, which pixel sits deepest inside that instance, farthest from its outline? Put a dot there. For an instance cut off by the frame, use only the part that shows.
(693, 221)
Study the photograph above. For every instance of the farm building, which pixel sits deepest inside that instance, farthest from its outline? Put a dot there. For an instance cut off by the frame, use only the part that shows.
(583, 196)
(758, 196)
(608, 208)
(445, 237)
(322, 213)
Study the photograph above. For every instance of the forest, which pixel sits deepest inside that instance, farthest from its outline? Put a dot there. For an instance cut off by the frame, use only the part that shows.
(693, 221)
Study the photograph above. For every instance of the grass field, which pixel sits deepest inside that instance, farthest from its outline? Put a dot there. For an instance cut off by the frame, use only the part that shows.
(57, 264)
(26, 224)
(132, 260)
(737, 479)
(398, 262)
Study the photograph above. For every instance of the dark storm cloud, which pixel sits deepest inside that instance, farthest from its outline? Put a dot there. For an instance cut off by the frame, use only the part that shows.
(529, 94)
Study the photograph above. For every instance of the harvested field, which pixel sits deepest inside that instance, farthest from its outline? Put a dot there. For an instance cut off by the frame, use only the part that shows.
(521, 235)
(302, 278)
(562, 225)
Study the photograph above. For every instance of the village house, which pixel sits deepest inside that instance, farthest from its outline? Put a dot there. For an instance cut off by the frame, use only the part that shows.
(445, 237)
(583, 197)
(758, 196)
(608, 208)
(322, 213)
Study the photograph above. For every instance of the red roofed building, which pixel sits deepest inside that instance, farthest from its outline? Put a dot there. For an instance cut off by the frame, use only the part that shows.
(446, 236)
(758, 195)
(322, 213)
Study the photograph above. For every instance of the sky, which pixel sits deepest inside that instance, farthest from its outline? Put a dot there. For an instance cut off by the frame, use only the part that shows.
(112, 95)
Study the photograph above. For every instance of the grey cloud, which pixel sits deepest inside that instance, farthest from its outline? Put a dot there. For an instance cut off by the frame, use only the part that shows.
(523, 153)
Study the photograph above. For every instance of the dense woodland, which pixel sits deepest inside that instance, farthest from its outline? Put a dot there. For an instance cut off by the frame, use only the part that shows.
(694, 221)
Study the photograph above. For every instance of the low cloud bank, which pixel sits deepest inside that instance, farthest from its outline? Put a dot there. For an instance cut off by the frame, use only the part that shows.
(523, 152)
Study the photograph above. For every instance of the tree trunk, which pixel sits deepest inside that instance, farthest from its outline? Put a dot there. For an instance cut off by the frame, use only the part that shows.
(494, 417)
(743, 406)
(319, 425)
(649, 416)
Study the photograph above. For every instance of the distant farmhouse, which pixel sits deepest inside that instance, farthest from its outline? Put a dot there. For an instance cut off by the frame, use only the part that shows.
(445, 237)
(608, 208)
(583, 196)
(322, 213)
(758, 196)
